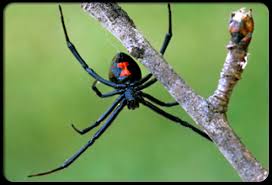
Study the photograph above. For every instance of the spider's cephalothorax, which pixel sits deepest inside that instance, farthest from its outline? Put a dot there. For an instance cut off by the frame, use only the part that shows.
(132, 98)
(126, 79)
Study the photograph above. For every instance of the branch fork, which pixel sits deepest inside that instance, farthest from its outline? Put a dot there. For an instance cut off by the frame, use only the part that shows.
(209, 113)
(241, 26)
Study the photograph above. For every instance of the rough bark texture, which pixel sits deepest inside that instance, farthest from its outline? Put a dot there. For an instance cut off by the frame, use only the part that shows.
(241, 27)
(210, 114)
(230, 75)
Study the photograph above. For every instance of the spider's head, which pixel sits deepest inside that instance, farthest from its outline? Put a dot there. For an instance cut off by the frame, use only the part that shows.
(131, 97)
(124, 69)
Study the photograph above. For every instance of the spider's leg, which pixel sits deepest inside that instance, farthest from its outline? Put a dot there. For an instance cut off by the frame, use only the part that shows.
(109, 94)
(86, 146)
(144, 79)
(80, 59)
(147, 84)
(101, 118)
(157, 101)
(174, 118)
(168, 35)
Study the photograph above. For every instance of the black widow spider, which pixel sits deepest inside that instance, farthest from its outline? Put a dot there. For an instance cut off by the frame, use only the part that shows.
(125, 77)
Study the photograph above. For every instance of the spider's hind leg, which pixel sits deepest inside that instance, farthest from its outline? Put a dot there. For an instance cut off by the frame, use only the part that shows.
(109, 94)
(168, 35)
(74, 51)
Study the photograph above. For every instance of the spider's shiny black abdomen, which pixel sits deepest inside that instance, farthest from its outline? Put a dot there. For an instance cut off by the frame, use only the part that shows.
(124, 69)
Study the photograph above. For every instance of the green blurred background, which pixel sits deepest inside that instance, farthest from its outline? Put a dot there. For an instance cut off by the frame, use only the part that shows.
(45, 90)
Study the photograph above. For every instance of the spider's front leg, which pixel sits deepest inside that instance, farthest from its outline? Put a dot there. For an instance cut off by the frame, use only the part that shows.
(157, 101)
(90, 142)
(174, 118)
(101, 118)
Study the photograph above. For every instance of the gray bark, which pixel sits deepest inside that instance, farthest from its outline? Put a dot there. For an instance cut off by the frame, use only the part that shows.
(209, 113)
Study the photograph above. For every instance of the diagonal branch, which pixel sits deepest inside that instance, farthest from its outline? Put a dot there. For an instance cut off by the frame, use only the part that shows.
(209, 114)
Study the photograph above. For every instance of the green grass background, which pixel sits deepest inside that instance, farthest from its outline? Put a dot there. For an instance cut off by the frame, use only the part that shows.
(45, 90)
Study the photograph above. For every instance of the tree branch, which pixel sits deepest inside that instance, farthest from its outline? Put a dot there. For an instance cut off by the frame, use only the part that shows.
(210, 114)
(241, 27)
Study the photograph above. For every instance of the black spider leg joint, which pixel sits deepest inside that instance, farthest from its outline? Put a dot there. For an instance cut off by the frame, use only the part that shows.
(90, 142)
(82, 62)
(113, 111)
(166, 41)
(168, 35)
(106, 95)
(157, 101)
(101, 118)
(169, 116)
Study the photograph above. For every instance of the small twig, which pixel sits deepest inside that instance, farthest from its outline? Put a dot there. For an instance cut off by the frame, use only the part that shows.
(209, 113)
(241, 27)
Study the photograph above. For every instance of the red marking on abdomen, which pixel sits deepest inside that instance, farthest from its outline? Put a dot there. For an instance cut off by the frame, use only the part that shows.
(123, 66)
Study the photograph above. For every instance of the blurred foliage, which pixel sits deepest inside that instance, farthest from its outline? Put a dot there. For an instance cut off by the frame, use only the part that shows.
(45, 90)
